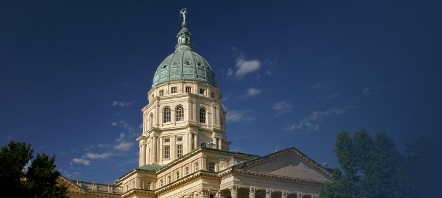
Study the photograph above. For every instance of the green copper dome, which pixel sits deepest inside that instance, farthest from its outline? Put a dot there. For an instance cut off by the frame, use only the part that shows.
(184, 63)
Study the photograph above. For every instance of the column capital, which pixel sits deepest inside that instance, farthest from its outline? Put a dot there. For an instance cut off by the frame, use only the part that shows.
(234, 191)
(252, 191)
(284, 194)
(269, 193)
(299, 195)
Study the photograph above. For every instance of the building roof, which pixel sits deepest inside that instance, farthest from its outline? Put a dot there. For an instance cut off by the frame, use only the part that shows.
(184, 63)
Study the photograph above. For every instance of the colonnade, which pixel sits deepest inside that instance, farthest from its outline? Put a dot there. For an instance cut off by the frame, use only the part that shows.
(233, 192)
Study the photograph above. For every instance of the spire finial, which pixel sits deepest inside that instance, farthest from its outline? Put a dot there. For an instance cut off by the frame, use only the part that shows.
(183, 13)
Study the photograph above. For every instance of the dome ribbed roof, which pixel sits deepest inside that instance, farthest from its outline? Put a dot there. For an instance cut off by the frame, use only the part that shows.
(184, 63)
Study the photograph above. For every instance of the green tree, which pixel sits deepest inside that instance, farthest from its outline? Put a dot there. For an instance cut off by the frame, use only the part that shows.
(369, 168)
(39, 180)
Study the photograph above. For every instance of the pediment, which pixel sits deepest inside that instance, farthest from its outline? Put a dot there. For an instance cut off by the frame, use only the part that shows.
(288, 163)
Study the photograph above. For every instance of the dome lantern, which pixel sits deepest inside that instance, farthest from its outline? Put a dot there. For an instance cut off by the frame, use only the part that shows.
(184, 63)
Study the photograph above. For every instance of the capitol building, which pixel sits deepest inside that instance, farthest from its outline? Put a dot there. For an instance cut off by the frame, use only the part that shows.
(184, 149)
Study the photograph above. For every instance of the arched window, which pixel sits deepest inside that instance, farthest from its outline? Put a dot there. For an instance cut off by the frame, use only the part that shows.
(150, 120)
(179, 113)
(166, 115)
(202, 115)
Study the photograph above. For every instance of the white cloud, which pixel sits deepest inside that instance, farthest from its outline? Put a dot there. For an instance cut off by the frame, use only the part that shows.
(333, 95)
(253, 91)
(320, 85)
(268, 72)
(124, 146)
(243, 66)
(282, 107)
(98, 156)
(121, 137)
(82, 161)
(97, 146)
(367, 91)
(229, 72)
(246, 66)
(120, 103)
(314, 120)
(238, 116)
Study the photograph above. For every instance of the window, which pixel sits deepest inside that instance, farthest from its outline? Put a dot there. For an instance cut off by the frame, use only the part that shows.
(179, 150)
(161, 92)
(153, 96)
(177, 175)
(161, 183)
(202, 91)
(167, 140)
(167, 152)
(196, 166)
(202, 115)
(146, 185)
(186, 171)
(211, 166)
(173, 90)
(166, 115)
(212, 95)
(188, 89)
(169, 179)
(179, 113)
(179, 139)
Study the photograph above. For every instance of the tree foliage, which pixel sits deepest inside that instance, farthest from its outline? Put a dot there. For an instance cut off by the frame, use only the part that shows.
(374, 167)
(38, 180)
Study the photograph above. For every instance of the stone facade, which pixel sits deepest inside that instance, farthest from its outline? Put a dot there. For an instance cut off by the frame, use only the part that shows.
(184, 151)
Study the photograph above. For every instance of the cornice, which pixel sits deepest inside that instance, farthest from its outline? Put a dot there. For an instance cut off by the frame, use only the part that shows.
(186, 180)
(275, 177)
(133, 192)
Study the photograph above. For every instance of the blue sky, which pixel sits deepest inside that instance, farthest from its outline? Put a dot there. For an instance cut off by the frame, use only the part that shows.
(74, 75)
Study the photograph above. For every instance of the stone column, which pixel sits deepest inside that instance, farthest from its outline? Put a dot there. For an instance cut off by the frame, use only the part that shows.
(194, 111)
(212, 115)
(157, 113)
(234, 191)
(173, 147)
(284, 194)
(252, 192)
(160, 148)
(143, 154)
(190, 141)
(195, 140)
(154, 153)
(205, 193)
(299, 195)
(148, 154)
(140, 161)
(220, 140)
(219, 194)
(269, 193)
